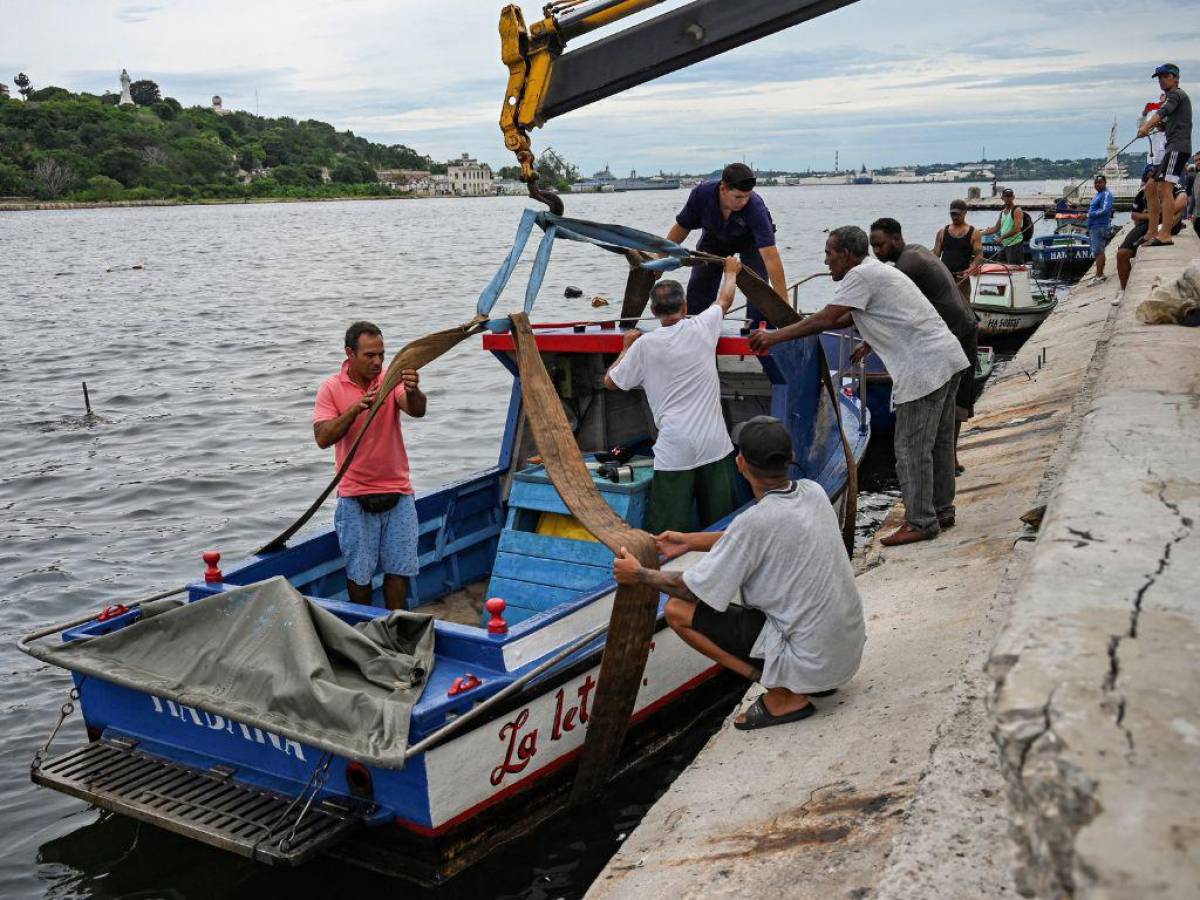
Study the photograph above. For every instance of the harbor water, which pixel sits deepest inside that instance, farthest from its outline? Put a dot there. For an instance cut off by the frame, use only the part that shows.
(203, 333)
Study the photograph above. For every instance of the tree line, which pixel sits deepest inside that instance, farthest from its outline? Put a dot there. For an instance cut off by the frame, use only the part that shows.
(59, 145)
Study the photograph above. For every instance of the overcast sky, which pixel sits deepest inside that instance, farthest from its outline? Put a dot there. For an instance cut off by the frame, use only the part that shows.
(884, 82)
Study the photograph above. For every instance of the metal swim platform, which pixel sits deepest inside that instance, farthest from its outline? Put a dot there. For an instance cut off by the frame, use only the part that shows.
(206, 805)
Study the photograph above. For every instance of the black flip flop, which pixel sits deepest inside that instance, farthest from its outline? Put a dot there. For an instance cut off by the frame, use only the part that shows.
(1158, 243)
(758, 716)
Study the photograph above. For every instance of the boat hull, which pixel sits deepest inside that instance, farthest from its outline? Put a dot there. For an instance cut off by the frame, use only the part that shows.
(432, 859)
(1001, 323)
(1063, 255)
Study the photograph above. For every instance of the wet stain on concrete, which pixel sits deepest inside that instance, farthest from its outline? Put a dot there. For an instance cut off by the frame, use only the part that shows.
(833, 814)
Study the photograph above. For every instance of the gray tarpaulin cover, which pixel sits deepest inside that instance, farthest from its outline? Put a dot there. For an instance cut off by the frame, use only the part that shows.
(267, 656)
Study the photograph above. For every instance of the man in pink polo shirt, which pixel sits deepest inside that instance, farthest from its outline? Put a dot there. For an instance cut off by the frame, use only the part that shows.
(376, 516)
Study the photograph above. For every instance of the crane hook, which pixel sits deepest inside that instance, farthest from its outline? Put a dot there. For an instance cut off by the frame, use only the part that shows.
(550, 198)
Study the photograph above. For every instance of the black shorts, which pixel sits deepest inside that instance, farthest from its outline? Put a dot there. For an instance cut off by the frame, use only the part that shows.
(734, 630)
(1172, 166)
(1136, 234)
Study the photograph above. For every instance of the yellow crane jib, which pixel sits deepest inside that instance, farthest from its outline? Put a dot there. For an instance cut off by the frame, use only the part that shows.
(530, 53)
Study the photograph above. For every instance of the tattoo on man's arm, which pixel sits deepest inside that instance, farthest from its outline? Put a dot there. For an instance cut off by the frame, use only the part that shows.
(669, 583)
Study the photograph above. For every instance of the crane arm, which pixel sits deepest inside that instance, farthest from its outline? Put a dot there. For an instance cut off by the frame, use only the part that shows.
(545, 82)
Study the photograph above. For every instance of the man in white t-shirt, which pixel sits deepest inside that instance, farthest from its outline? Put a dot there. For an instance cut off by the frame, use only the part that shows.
(798, 628)
(676, 365)
(924, 359)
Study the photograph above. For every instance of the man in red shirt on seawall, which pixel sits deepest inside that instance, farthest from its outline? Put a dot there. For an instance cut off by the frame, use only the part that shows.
(376, 516)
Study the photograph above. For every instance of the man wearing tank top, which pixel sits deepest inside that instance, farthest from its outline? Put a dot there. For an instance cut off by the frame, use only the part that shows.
(960, 247)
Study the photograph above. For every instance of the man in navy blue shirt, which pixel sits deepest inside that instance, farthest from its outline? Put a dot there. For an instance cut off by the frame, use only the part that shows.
(734, 221)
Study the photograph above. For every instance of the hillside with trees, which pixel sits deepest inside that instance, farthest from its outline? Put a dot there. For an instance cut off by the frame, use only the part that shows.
(59, 145)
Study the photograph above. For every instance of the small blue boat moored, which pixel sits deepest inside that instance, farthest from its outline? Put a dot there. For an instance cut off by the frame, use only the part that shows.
(278, 795)
(1065, 255)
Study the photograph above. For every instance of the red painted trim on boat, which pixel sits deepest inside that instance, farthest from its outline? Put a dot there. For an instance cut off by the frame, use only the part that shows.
(593, 342)
(550, 768)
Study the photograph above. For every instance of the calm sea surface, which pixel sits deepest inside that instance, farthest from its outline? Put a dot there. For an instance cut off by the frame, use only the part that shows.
(202, 367)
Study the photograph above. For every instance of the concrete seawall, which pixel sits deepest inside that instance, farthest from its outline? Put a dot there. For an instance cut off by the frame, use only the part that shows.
(1027, 715)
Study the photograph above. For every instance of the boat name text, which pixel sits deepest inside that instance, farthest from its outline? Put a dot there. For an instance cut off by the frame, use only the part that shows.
(521, 746)
(214, 722)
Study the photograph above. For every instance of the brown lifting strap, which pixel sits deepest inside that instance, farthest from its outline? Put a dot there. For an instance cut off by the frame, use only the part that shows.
(635, 607)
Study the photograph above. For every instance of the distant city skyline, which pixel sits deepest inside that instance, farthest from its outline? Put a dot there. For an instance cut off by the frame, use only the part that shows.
(880, 84)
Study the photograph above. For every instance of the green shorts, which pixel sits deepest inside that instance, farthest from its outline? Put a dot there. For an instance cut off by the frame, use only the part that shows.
(691, 499)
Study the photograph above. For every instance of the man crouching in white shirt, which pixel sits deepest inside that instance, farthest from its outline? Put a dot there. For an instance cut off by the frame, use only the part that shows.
(676, 365)
(799, 626)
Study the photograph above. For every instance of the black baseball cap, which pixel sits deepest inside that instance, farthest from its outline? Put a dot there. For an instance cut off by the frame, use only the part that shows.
(959, 205)
(1008, 191)
(739, 176)
(1166, 69)
(765, 443)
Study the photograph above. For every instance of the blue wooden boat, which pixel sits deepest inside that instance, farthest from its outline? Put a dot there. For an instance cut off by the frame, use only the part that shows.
(1064, 255)
(501, 534)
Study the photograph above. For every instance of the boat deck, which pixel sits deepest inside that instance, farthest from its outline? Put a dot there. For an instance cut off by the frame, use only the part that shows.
(463, 607)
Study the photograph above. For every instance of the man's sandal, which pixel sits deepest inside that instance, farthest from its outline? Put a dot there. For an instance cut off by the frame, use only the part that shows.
(758, 716)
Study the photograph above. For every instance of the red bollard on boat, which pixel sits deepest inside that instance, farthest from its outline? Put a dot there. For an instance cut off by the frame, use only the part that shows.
(496, 624)
(212, 574)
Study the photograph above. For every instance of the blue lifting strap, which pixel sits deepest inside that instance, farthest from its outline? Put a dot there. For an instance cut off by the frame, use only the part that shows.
(614, 238)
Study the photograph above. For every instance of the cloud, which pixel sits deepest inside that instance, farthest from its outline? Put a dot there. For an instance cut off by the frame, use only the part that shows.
(1005, 49)
(881, 83)
(137, 12)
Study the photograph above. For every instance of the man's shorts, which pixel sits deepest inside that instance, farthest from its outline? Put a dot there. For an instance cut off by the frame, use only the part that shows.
(1172, 167)
(373, 542)
(1098, 239)
(734, 630)
(1135, 234)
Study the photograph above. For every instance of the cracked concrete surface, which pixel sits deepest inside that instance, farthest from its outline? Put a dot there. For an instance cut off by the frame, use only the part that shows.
(896, 789)
(1097, 687)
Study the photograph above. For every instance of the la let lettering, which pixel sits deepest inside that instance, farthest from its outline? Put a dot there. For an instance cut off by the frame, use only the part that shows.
(521, 745)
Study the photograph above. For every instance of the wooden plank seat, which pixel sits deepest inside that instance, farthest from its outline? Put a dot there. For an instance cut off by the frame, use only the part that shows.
(534, 572)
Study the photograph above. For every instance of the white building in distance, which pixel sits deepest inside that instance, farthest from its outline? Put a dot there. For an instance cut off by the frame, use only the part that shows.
(470, 178)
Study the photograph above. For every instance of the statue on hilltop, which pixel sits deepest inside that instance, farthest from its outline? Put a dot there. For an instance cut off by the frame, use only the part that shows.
(126, 97)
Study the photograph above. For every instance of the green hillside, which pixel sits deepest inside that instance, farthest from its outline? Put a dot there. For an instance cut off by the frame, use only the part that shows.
(81, 147)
